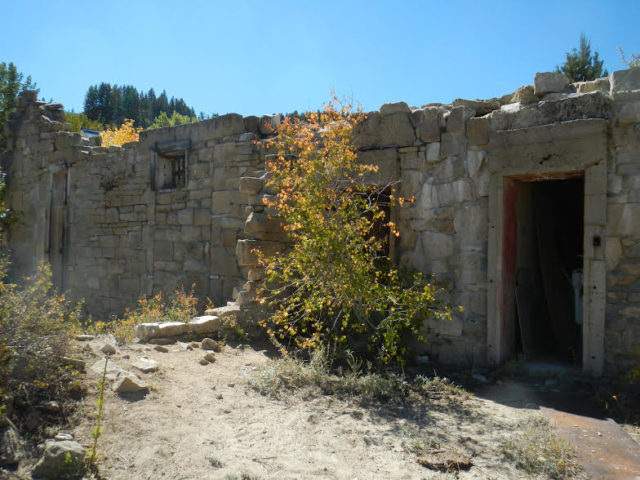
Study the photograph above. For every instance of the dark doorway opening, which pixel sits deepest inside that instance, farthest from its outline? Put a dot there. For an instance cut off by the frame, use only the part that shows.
(549, 227)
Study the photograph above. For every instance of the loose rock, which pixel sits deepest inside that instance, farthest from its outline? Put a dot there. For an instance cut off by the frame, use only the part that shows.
(84, 338)
(445, 460)
(210, 357)
(128, 382)
(60, 460)
(11, 448)
(210, 344)
(108, 349)
(146, 365)
(160, 348)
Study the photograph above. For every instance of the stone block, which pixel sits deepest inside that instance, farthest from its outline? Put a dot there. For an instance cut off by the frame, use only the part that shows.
(601, 84)
(625, 80)
(251, 185)
(429, 121)
(202, 217)
(399, 107)
(474, 161)
(245, 250)
(193, 265)
(204, 324)
(452, 144)
(146, 331)
(263, 226)
(387, 162)
(436, 246)
(623, 219)
(377, 130)
(185, 216)
(458, 117)
(471, 223)
(549, 82)
(478, 131)
(268, 124)
(448, 169)
(433, 152)
(629, 114)
(172, 329)
(222, 202)
(524, 95)
(413, 159)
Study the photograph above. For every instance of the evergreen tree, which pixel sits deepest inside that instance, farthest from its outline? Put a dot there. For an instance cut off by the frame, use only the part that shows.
(112, 104)
(581, 65)
(12, 83)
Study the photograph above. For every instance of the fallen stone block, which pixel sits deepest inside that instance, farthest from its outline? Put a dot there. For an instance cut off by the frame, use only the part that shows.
(172, 329)
(205, 324)
(146, 365)
(127, 383)
(145, 331)
(210, 344)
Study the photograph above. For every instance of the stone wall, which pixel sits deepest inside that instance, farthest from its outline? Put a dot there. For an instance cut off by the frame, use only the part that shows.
(124, 235)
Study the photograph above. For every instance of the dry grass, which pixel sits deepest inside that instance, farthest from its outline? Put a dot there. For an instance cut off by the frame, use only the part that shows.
(537, 450)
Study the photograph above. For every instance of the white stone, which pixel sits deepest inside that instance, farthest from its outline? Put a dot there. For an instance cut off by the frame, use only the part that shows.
(470, 223)
(549, 82)
(172, 329)
(205, 324)
(433, 152)
(625, 80)
(145, 331)
(127, 382)
(146, 365)
(474, 160)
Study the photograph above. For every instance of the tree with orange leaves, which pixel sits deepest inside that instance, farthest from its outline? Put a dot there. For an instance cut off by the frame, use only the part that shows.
(119, 136)
(335, 290)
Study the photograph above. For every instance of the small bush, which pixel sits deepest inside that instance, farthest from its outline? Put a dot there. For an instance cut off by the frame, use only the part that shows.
(35, 332)
(180, 306)
(316, 377)
(336, 288)
(537, 450)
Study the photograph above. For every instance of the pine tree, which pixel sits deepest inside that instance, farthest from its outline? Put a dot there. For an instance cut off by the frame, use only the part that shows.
(581, 65)
(12, 83)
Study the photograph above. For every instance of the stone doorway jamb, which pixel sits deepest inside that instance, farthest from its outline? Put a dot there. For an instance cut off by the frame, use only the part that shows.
(536, 153)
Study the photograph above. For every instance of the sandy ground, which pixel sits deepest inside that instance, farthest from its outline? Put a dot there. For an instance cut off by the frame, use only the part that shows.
(206, 422)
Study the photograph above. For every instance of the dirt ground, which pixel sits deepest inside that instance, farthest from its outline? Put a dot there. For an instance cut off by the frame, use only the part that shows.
(206, 422)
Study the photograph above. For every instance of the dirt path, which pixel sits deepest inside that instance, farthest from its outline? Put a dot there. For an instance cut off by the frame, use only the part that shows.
(206, 422)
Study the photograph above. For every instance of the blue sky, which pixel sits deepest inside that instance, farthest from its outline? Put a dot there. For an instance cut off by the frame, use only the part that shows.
(257, 57)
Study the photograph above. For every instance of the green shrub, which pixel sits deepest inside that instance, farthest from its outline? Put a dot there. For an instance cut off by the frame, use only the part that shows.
(35, 332)
(180, 306)
(336, 288)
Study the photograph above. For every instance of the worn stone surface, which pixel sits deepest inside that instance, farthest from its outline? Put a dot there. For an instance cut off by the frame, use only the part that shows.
(549, 82)
(60, 460)
(204, 324)
(146, 365)
(129, 383)
(11, 447)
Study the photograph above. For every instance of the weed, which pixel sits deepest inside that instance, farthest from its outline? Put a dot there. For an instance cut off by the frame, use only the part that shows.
(537, 450)
(177, 307)
(35, 331)
(316, 377)
(97, 430)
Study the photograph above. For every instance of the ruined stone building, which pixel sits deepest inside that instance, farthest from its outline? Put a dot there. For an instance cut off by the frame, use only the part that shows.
(529, 205)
